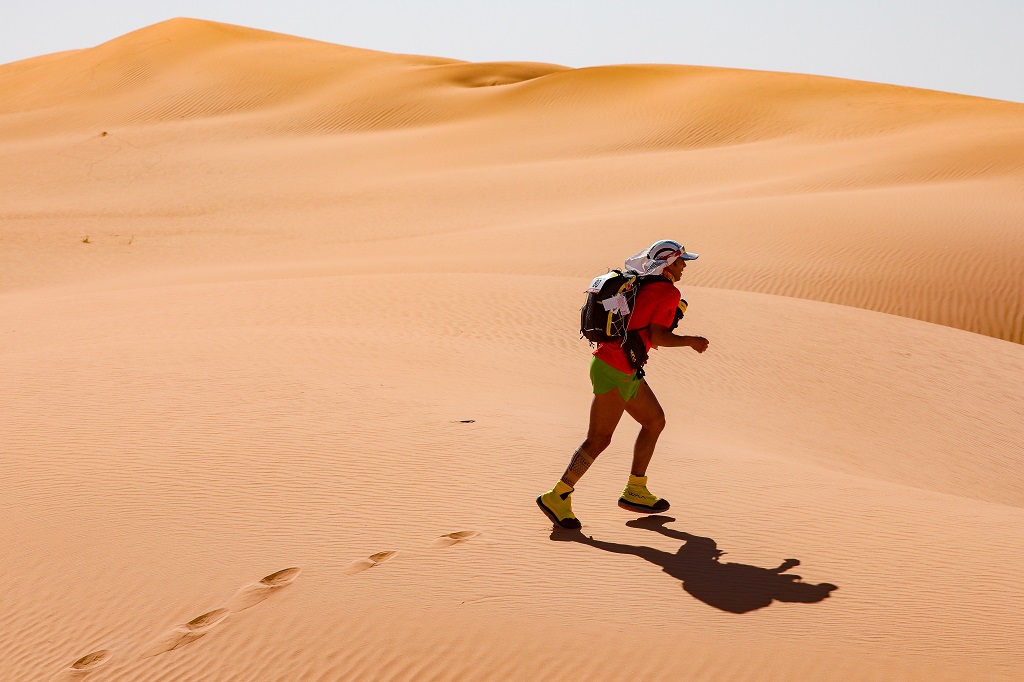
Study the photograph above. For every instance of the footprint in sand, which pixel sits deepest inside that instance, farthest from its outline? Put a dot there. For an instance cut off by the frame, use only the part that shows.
(369, 562)
(85, 665)
(91, 661)
(253, 594)
(188, 632)
(454, 538)
(281, 578)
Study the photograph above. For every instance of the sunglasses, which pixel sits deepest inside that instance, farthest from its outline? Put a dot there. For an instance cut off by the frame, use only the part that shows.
(665, 255)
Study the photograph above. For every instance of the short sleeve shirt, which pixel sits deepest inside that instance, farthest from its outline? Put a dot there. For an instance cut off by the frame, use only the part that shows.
(655, 303)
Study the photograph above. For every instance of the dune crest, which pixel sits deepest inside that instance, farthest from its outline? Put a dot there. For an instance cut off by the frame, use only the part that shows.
(743, 159)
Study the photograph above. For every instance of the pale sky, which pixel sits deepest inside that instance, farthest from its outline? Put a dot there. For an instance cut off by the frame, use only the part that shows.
(971, 47)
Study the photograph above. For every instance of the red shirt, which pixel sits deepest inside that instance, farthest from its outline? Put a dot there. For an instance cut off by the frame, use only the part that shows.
(656, 303)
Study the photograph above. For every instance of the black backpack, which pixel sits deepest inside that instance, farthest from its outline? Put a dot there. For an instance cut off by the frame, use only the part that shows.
(605, 314)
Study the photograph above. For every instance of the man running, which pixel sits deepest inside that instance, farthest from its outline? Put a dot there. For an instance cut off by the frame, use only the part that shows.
(620, 388)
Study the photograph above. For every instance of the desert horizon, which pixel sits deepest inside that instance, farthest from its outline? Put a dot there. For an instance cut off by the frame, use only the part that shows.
(290, 346)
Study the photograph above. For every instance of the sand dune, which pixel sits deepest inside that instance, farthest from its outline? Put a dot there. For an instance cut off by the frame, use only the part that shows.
(280, 308)
(924, 186)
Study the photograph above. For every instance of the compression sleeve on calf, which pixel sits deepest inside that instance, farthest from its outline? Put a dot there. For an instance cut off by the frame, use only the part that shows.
(578, 466)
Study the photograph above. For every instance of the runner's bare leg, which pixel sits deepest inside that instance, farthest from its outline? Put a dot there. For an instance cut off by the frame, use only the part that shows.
(646, 410)
(605, 412)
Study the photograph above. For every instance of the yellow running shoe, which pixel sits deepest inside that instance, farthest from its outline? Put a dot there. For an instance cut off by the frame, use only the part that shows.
(637, 498)
(557, 506)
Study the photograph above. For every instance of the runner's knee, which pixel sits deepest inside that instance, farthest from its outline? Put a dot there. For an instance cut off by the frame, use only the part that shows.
(597, 443)
(655, 423)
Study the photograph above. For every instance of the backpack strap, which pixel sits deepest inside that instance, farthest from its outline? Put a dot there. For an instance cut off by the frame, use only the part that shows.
(636, 353)
(633, 344)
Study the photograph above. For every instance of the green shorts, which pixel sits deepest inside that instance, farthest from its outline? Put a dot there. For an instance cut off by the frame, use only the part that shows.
(604, 377)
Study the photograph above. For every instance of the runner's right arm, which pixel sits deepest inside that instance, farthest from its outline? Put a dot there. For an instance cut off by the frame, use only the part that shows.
(661, 336)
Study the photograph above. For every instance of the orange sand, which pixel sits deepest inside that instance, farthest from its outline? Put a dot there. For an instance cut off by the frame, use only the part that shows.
(253, 287)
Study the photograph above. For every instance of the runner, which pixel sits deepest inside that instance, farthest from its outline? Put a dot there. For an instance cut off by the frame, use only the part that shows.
(620, 388)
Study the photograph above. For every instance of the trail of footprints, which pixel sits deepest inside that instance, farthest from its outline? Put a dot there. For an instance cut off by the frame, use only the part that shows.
(379, 558)
(183, 634)
(244, 598)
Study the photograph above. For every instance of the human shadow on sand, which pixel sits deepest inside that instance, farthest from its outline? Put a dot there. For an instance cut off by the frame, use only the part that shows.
(736, 588)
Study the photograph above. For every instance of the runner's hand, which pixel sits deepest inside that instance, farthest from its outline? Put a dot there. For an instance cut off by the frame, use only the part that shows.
(699, 344)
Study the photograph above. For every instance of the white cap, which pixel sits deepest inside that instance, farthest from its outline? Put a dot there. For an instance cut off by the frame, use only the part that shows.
(652, 261)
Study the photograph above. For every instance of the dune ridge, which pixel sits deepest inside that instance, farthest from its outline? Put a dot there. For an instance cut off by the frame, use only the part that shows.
(741, 159)
(275, 307)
